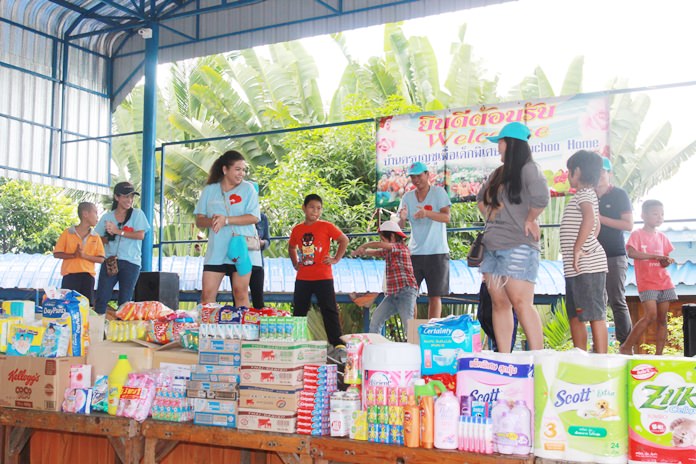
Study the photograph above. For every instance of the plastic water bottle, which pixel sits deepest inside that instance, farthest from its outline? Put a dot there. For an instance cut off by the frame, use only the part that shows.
(117, 379)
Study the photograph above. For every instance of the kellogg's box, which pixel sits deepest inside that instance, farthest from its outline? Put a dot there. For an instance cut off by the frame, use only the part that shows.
(34, 383)
(662, 409)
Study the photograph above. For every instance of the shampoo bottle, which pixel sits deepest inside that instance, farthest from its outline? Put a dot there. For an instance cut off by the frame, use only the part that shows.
(446, 418)
(411, 423)
(427, 417)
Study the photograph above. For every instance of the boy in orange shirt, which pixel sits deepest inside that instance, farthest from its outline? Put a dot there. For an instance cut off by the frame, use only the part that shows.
(310, 252)
(79, 248)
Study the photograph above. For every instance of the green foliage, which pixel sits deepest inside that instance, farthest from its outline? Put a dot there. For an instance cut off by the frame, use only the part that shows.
(675, 337)
(32, 216)
(556, 327)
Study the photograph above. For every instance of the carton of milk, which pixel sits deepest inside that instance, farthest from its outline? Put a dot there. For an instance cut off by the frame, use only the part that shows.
(443, 341)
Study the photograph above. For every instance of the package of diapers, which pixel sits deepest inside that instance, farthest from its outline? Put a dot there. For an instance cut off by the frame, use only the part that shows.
(580, 406)
(662, 409)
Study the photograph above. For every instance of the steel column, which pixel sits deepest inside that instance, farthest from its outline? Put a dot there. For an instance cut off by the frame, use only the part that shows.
(149, 138)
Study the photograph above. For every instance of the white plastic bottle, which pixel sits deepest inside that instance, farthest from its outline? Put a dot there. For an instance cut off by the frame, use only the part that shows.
(446, 421)
(503, 428)
(523, 418)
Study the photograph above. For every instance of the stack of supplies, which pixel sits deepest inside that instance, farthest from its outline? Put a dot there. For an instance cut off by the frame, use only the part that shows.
(272, 375)
(313, 415)
(385, 414)
(214, 382)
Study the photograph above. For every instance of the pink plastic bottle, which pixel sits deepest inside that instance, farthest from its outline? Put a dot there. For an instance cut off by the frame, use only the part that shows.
(446, 421)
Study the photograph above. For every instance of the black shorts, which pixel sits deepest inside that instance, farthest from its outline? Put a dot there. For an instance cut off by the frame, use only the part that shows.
(227, 269)
(435, 270)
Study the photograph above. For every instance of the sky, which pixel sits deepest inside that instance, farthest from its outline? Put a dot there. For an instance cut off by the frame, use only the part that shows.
(646, 43)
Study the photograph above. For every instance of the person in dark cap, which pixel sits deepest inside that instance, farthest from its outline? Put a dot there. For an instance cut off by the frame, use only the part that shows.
(122, 230)
(616, 216)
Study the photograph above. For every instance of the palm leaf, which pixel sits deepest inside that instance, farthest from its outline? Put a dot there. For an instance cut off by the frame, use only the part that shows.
(572, 84)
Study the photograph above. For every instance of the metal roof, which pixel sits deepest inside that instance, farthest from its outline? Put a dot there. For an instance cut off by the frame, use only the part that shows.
(189, 28)
(350, 275)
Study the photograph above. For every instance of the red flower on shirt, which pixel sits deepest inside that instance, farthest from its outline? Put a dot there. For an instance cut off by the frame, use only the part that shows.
(128, 229)
(234, 199)
(428, 207)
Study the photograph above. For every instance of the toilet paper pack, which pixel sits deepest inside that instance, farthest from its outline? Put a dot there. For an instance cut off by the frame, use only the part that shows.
(580, 407)
(662, 409)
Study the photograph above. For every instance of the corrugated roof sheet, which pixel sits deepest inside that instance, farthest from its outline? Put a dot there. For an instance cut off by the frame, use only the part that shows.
(351, 275)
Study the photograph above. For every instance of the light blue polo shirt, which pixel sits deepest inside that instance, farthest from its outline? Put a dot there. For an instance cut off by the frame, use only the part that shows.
(428, 237)
(125, 248)
(241, 200)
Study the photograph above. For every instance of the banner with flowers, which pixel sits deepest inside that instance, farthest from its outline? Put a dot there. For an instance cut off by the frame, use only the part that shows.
(453, 144)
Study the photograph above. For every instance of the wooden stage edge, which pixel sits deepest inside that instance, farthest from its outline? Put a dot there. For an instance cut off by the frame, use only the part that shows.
(151, 441)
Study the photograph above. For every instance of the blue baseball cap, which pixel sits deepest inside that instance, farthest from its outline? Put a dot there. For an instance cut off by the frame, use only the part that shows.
(417, 168)
(606, 164)
(514, 130)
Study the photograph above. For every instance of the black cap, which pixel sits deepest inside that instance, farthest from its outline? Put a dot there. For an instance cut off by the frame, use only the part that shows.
(124, 188)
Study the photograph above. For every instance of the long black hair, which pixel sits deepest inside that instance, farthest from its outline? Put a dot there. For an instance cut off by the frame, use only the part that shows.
(507, 179)
(226, 159)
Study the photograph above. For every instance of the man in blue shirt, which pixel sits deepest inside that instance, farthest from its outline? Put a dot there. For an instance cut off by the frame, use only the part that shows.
(427, 208)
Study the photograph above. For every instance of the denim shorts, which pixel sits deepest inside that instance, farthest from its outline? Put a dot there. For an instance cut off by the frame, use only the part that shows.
(585, 297)
(519, 263)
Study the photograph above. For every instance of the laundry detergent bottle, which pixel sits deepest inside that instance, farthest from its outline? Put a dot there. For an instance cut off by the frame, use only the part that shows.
(446, 421)
(117, 379)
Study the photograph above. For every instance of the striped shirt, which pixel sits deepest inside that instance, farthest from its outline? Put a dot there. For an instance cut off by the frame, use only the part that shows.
(593, 258)
(399, 269)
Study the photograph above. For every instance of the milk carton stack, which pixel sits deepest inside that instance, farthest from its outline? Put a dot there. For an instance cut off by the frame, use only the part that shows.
(272, 373)
(214, 382)
(313, 414)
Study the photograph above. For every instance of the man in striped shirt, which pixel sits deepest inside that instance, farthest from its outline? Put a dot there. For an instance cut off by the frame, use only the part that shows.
(584, 259)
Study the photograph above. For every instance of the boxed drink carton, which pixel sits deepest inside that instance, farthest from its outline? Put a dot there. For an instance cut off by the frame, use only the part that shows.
(282, 352)
(216, 419)
(215, 406)
(220, 351)
(35, 383)
(279, 399)
(258, 419)
(272, 375)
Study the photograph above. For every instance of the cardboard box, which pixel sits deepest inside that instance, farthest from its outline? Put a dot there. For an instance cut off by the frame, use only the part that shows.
(215, 373)
(35, 383)
(212, 390)
(258, 419)
(173, 355)
(224, 352)
(278, 399)
(218, 420)
(412, 330)
(281, 352)
(272, 375)
(215, 406)
(103, 356)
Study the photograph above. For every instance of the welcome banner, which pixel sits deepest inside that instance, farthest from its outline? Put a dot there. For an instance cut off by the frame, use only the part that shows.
(454, 146)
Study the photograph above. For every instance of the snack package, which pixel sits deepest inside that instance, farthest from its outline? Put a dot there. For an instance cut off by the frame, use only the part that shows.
(205, 312)
(100, 394)
(142, 311)
(189, 339)
(55, 341)
(165, 331)
(137, 395)
(25, 340)
(124, 331)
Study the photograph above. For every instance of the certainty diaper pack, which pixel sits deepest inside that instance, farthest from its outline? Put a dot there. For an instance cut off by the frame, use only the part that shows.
(662, 409)
(443, 341)
(580, 407)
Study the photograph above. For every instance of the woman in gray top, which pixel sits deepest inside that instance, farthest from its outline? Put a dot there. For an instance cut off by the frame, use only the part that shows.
(512, 199)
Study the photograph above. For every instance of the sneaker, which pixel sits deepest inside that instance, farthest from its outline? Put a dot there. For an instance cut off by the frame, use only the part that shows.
(337, 355)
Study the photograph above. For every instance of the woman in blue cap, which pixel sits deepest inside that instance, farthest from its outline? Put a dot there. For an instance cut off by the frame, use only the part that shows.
(512, 199)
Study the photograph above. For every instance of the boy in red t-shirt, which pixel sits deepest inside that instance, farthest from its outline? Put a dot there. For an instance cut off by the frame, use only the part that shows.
(310, 252)
(650, 251)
